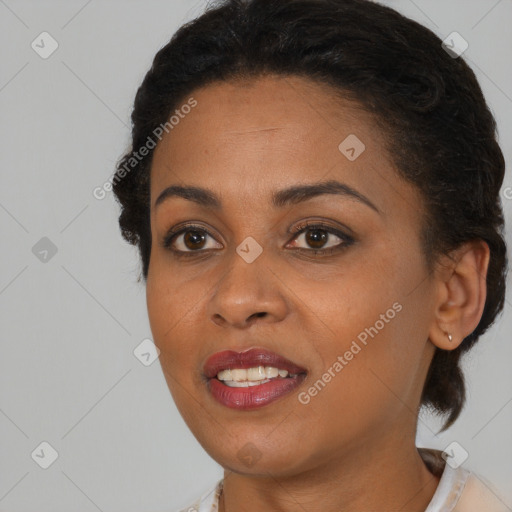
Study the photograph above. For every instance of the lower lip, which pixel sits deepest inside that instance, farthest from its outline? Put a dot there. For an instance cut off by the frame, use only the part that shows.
(253, 397)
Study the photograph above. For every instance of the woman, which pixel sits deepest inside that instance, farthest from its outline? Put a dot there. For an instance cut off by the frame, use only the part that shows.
(313, 186)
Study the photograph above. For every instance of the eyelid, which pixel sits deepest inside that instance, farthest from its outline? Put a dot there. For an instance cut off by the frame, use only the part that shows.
(175, 231)
(322, 223)
(310, 224)
(299, 229)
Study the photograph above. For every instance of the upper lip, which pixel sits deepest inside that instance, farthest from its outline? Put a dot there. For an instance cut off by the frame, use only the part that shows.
(229, 359)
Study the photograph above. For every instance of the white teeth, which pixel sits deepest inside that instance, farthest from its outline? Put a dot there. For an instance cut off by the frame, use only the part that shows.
(271, 372)
(254, 374)
(240, 377)
(245, 384)
(224, 375)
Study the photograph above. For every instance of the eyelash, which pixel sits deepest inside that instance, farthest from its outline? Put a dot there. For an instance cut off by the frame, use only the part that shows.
(297, 230)
(347, 240)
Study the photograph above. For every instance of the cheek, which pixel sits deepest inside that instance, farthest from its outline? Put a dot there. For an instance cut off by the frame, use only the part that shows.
(373, 325)
(170, 312)
(158, 305)
(170, 308)
(361, 387)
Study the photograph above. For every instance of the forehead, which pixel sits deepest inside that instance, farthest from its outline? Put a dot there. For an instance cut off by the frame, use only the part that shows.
(258, 135)
(263, 105)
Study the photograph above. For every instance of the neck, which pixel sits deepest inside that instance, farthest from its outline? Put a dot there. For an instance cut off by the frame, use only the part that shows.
(385, 476)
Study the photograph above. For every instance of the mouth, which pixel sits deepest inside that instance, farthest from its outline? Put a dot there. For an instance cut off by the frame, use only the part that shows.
(251, 379)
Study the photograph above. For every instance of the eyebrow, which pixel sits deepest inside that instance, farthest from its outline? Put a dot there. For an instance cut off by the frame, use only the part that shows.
(292, 195)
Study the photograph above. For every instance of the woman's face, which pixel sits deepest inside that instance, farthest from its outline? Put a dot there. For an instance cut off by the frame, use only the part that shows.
(355, 319)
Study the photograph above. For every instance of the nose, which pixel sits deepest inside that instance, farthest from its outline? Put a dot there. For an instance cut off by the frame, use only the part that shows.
(247, 293)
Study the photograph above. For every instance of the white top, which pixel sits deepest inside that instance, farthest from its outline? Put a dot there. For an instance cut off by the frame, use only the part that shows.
(459, 490)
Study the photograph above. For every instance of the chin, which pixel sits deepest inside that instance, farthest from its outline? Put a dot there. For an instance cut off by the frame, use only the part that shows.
(251, 460)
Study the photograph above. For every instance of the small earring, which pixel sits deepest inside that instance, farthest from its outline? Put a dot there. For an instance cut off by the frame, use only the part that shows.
(449, 336)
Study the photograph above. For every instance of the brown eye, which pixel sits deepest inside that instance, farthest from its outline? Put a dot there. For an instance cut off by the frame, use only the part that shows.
(194, 239)
(189, 239)
(316, 238)
(319, 238)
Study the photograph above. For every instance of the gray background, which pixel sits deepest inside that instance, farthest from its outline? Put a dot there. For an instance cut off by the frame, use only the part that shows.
(70, 324)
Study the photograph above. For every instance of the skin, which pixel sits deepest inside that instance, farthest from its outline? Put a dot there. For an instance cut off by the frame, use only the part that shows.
(352, 447)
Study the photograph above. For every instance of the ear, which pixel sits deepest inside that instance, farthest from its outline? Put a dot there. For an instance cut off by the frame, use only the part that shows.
(462, 290)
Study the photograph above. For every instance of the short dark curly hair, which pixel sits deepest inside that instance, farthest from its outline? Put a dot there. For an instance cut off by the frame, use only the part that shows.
(429, 105)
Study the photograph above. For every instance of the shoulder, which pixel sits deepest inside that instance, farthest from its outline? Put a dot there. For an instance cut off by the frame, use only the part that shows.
(208, 502)
(459, 489)
(480, 494)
